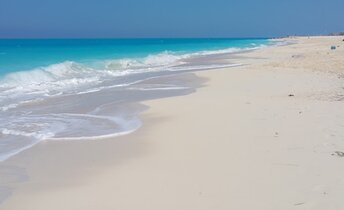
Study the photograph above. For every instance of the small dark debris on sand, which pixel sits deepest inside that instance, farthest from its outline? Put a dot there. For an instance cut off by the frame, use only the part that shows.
(291, 95)
(276, 134)
(296, 56)
(338, 153)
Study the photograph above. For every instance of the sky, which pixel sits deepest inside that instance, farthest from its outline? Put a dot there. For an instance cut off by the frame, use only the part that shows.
(168, 18)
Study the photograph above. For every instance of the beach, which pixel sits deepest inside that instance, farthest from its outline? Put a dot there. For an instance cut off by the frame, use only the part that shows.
(268, 134)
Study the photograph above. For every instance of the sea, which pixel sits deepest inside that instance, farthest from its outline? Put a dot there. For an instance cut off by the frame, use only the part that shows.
(89, 89)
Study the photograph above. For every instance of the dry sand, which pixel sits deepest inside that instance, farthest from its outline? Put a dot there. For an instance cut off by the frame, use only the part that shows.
(241, 142)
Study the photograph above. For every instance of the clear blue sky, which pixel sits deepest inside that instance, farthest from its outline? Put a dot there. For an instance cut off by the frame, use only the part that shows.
(168, 18)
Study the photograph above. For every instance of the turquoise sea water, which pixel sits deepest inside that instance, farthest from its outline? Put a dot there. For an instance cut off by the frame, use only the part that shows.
(27, 54)
(86, 89)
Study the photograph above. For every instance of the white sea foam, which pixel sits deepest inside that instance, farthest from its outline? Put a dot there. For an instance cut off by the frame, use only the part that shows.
(55, 76)
(151, 61)
(37, 135)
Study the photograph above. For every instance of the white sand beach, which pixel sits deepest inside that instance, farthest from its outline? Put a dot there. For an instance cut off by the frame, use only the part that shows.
(268, 135)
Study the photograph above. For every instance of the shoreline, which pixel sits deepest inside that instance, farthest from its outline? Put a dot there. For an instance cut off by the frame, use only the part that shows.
(98, 106)
(259, 136)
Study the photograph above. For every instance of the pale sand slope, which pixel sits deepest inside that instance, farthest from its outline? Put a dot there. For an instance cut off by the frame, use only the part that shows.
(239, 143)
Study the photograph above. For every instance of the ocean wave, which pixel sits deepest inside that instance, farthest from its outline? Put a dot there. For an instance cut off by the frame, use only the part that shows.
(151, 61)
(70, 75)
(56, 76)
